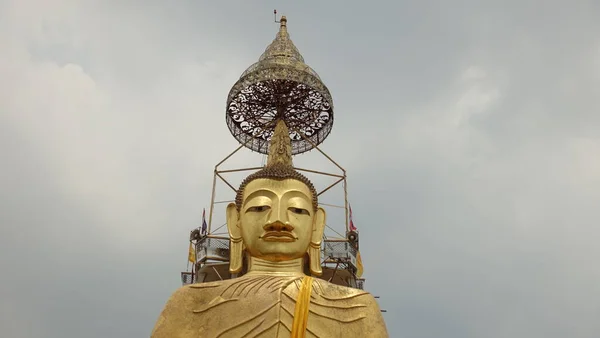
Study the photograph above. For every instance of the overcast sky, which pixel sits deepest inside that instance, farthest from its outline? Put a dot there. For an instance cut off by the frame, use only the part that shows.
(470, 131)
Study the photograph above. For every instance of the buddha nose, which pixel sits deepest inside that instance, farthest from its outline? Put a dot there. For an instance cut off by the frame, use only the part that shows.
(278, 226)
(278, 220)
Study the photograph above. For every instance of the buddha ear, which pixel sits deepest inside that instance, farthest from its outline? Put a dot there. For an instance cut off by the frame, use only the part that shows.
(314, 248)
(236, 253)
(233, 217)
(318, 226)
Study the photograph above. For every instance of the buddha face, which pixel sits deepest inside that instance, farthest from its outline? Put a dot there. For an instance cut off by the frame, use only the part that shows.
(276, 220)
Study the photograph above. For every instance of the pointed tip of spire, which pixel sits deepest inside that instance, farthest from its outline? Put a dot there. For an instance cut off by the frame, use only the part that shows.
(283, 28)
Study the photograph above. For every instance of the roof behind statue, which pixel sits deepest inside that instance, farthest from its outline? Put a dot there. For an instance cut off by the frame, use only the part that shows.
(280, 86)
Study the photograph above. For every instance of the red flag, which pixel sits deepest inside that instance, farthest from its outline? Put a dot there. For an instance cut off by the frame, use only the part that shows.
(352, 227)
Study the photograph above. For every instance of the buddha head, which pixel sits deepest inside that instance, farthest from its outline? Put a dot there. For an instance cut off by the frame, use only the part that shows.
(275, 216)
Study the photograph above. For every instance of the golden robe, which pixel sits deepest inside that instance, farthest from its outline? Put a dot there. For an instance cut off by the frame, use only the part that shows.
(263, 306)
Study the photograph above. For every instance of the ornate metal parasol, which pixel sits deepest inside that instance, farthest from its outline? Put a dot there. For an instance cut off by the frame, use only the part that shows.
(280, 86)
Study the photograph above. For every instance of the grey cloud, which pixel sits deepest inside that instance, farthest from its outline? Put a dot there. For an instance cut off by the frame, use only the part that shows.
(476, 197)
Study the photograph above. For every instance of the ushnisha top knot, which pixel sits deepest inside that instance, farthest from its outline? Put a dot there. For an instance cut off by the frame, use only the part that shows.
(279, 164)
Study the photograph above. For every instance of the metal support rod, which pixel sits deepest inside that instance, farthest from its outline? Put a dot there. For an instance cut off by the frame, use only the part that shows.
(321, 151)
(241, 146)
(221, 202)
(334, 230)
(237, 170)
(332, 205)
(217, 272)
(220, 226)
(228, 156)
(334, 270)
(212, 201)
(224, 180)
(346, 202)
(331, 186)
(318, 172)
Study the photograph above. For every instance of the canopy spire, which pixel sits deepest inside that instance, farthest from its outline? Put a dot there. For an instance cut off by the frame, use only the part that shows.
(280, 146)
(283, 24)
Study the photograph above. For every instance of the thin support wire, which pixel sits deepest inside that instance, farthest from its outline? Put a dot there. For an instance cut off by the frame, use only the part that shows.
(221, 202)
(332, 205)
(318, 172)
(229, 184)
(331, 186)
(217, 272)
(332, 229)
(238, 170)
(222, 225)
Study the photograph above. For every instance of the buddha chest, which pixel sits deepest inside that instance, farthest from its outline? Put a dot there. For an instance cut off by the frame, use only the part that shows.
(263, 306)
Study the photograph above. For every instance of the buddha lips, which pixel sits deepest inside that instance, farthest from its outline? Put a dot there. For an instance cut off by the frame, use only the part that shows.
(278, 236)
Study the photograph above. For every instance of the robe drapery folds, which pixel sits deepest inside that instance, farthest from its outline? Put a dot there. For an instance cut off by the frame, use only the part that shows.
(266, 306)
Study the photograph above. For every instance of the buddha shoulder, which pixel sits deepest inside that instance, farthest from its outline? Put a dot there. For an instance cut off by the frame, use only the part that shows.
(355, 309)
(177, 317)
(344, 295)
(198, 293)
(338, 291)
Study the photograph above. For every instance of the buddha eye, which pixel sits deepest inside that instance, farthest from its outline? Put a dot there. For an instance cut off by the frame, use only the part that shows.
(259, 208)
(299, 211)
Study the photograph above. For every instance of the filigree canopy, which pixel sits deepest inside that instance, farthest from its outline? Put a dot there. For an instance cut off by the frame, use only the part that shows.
(280, 86)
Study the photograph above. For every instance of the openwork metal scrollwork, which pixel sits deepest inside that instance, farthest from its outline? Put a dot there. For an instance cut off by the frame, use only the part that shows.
(251, 111)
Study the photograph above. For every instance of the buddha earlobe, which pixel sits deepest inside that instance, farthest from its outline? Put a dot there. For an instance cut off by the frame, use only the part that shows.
(314, 249)
(314, 256)
(236, 250)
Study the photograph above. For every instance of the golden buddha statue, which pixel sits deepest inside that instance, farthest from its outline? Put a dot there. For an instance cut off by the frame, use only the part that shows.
(277, 227)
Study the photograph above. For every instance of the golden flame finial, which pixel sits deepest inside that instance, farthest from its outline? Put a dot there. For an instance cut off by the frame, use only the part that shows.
(280, 147)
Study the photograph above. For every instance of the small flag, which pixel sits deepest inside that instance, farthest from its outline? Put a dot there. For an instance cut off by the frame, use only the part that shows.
(192, 254)
(359, 265)
(204, 226)
(352, 227)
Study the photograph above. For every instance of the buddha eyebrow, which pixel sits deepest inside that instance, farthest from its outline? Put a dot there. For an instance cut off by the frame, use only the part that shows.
(297, 192)
(271, 194)
(254, 193)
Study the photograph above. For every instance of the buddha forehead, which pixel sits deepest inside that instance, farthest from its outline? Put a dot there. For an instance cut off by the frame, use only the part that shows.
(267, 186)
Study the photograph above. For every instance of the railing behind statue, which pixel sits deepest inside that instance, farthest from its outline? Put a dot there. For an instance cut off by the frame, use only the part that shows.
(217, 248)
(335, 251)
(212, 261)
(360, 283)
(214, 248)
(187, 278)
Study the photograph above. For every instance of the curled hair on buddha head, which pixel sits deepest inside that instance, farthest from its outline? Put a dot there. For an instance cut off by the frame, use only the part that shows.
(279, 165)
